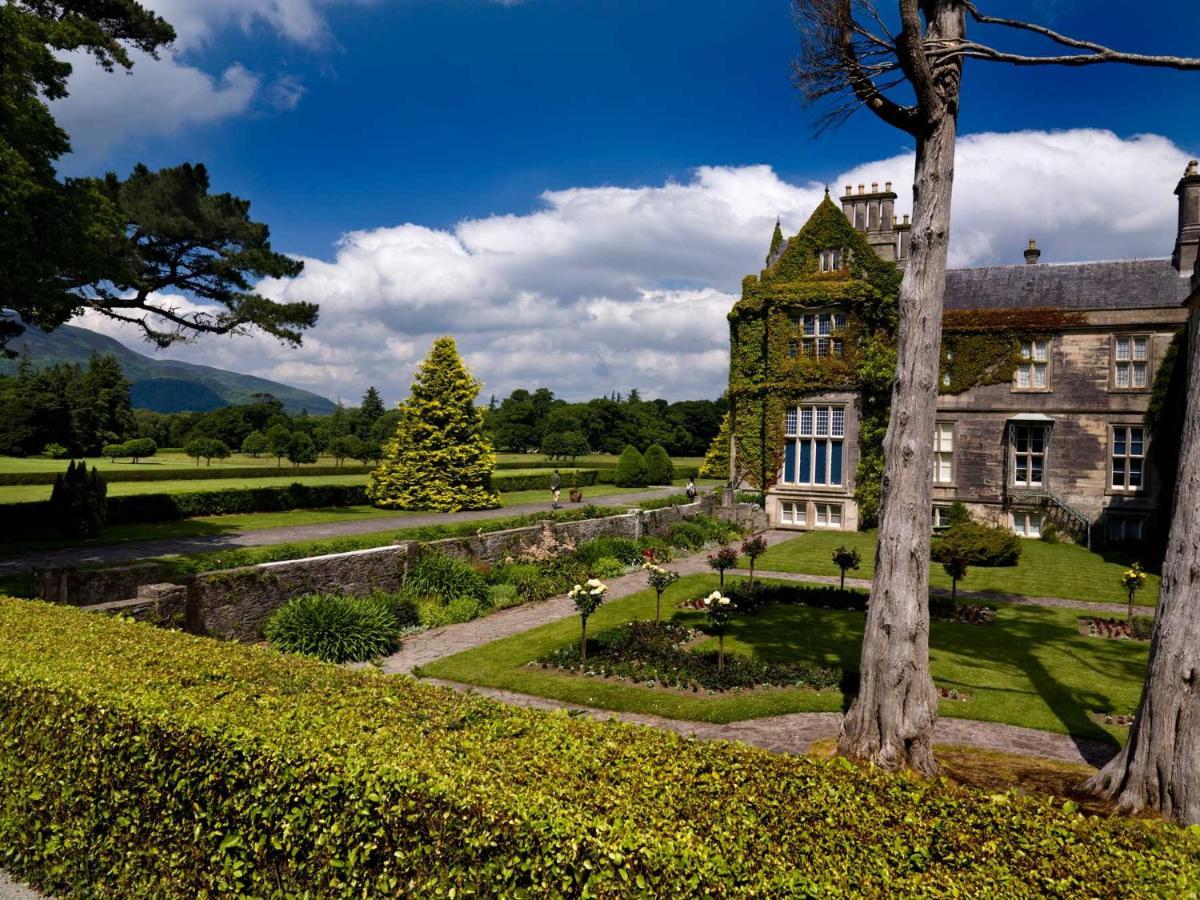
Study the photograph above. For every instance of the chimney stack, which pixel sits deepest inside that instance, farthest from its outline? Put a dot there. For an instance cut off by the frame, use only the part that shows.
(1032, 253)
(1187, 240)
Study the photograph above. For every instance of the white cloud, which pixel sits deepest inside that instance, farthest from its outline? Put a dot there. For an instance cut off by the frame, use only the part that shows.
(608, 288)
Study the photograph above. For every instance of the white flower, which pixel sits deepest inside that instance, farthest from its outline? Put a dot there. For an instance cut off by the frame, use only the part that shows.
(724, 601)
(595, 582)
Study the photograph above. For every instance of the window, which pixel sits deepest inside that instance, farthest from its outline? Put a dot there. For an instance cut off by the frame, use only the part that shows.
(1120, 529)
(1027, 524)
(793, 512)
(814, 453)
(810, 325)
(839, 321)
(831, 260)
(828, 515)
(1034, 367)
(941, 518)
(943, 453)
(1128, 457)
(793, 349)
(1131, 362)
(1029, 455)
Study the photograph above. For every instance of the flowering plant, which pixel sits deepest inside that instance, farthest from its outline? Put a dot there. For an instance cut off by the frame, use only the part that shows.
(725, 558)
(1133, 580)
(719, 610)
(752, 549)
(660, 579)
(587, 597)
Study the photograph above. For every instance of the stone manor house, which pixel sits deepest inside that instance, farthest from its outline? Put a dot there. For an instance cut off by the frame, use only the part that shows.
(1047, 374)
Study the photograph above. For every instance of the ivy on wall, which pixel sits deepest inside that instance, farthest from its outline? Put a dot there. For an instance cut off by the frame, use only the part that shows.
(983, 346)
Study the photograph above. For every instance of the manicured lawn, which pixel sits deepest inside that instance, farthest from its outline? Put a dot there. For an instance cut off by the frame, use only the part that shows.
(1030, 668)
(1044, 570)
(157, 462)
(20, 493)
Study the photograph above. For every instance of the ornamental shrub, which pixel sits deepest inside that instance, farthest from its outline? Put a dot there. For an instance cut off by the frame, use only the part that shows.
(238, 771)
(333, 628)
(77, 502)
(631, 468)
(624, 549)
(977, 544)
(445, 577)
(689, 535)
(438, 458)
(716, 461)
(503, 596)
(606, 567)
(659, 468)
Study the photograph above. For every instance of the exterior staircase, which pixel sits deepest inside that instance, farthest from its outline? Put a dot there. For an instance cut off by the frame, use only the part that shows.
(1056, 510)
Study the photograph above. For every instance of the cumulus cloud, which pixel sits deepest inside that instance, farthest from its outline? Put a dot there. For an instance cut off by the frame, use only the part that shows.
(607, 288)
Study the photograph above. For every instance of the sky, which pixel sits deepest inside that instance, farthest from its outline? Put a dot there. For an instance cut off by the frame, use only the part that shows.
(575, 188)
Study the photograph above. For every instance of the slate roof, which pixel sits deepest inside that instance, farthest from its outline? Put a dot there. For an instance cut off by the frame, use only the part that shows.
(1123, 284)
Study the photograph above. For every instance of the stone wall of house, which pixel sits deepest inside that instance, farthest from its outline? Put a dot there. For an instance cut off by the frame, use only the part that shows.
(234, 604)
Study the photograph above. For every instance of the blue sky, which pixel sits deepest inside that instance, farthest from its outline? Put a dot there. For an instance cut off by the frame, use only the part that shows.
(338, 116)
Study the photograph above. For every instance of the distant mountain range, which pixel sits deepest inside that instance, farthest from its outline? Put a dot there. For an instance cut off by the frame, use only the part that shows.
(163, 385)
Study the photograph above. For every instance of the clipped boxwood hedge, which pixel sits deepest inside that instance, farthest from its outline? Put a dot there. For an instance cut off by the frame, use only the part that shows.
(137, 762)
(540, 481)
(194, 473)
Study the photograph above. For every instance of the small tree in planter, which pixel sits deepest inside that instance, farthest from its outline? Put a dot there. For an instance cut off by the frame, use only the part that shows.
(719, 610)
(1133, 580)
(845, 558)
(753, 548)
(725, 558)
(660, 579)
(588, 598)
(956, 568)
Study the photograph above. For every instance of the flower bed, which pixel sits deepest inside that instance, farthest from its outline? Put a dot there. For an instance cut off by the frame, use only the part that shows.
(659, 655)
(137, 762)
(1121, 720)
(1118, 629)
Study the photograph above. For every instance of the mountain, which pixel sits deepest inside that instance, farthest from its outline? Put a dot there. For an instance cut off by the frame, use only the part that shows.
(163, 385)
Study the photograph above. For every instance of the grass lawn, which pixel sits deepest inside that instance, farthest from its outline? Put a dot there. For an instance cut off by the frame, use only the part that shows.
(20, 493)
(157, 462)
(1044, 570)
(1030, 668)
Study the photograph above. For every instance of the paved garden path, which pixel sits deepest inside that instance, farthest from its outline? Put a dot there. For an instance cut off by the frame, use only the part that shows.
(14, 890)
(114, 554)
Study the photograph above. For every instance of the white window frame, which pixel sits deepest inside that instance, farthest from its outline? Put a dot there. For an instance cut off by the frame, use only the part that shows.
(1028, 524)
(1033, 370)
(793, 512)
(940, 517)
(943, 454)
(1132, 355)
(828, 515)
(1030, 455)
(817, 423)
(1126, 459)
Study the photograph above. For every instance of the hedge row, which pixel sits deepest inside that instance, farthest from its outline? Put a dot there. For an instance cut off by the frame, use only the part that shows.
(541, 481)
(137, 762)
(195, 473)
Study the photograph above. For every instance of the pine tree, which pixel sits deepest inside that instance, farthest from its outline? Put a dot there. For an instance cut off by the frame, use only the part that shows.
(438, 459)
(716, 461)
(371, 407)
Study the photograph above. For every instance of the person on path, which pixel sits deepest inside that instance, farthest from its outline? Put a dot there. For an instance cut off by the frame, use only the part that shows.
(691, 488)
(555, 482)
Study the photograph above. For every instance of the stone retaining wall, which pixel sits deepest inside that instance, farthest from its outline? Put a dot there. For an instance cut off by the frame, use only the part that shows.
(234, 604)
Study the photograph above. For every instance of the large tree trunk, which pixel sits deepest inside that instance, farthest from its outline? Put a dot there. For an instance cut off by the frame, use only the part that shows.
(891, 721)
(1159, 767)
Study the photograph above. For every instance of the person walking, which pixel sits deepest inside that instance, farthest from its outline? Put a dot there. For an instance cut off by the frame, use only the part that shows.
(555, 483)
(691, 488)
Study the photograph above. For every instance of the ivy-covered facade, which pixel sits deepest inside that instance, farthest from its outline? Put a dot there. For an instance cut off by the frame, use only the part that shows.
(1047, 374)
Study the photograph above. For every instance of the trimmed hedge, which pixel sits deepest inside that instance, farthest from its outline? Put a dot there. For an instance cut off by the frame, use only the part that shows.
(138, 762)
(507, 484)
(202, 473)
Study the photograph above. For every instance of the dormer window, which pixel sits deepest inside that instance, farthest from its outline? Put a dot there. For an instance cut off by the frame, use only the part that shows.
(831, 260)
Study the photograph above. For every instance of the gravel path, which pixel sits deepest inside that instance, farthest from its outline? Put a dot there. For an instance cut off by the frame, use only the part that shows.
(14, 890)
(113, 554)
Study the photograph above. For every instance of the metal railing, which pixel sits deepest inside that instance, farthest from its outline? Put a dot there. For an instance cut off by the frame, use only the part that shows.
(1047, 498)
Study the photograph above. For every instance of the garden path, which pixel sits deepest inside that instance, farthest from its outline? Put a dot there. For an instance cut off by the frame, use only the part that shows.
(113, 554)
(14, 890)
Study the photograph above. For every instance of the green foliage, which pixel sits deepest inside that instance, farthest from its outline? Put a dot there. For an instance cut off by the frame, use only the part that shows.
(138, 448)
(77, 502)
(607, 567)
(54, 451)
(238, 771)
(438, 458)
(716, 460)
(203, 473)
(446, 578)
(631, 468)
(976, 544)
(688, 536)
(659, 468)
(301, 449)
(982, 346)
(532, 585)
(1050, 533)
(333, 628)
(255, 444)
(207, 449)
(625, 550)
(504, 596)
(565, 445)
(435, 613)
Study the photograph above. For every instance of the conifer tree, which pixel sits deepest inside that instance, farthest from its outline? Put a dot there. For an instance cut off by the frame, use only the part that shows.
(631, 468)
(716, 461)
(438, 459)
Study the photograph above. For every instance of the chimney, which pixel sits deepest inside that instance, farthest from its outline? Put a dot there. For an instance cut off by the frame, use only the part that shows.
(1187, 240)
(1032, 253)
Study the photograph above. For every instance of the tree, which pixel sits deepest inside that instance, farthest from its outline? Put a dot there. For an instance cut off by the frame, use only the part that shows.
(722, 559)
(345, 446)
(719, 611)
(279, 442)
(659, 468)
(660, 579)
(850, 57)
(631, 468)
(438, 459)
(140, 448)
(956, 568)
(1133, 580)
(78, 501)
(845, 558)
(302, 450)
(254, 444)
(369, 411)
(752, 549)
(716, 461)
(207, 449)
(587, 598)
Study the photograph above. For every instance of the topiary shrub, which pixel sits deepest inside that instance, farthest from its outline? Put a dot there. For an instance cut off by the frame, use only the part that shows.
(445, 577)
(333, 627)
(659, 468)
(631, 469)
(976, 544)
(77, 501)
